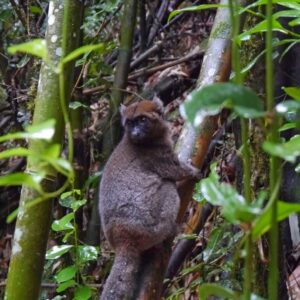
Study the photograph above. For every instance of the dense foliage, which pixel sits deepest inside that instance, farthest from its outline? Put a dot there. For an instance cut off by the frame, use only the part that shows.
(224, 257)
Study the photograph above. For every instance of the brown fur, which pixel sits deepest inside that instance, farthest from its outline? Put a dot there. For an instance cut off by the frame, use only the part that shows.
(138, 197)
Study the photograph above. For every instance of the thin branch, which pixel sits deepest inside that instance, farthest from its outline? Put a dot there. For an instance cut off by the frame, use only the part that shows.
(146, 54)
(149, 71)
(20, 13)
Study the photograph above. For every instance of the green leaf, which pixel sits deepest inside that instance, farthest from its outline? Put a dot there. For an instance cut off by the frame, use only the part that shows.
(82, 293)
(87, 253)
(63, 166)
(66, 195)
(76, 104)
(291, 13)
(289, 151)
(77, 204)
(212, 289)
(52, 151)
(290, 109)
(294, 4)
(287, 49)
(287, 3)
(211, 99)
(35, 9)
(262, 27)
(295, 22)
(42, 131)
(215, 237)
(82, 50)
(65, 285)
(57, 251)
(253, 62)
(197, 196)
(35, 47)
(294, 92)
(67, 235)
(93, 180)
(50, 155)
(234, 207)
(297, 169)
(15, 179)
(67, 198)
(66, 274)
(28, 204)
(186, 236)
(192, 269)
(263, 222)
(63, 223)
(15, 152)
(287, 126)
(194, 9)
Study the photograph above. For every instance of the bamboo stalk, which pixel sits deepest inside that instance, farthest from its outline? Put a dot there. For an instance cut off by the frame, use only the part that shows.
(33, 223)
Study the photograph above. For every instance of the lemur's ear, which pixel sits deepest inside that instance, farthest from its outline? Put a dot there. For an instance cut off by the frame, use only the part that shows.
(122, 113)
(159, 104)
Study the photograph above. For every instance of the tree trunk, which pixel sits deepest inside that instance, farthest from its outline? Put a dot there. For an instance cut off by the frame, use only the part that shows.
(33, 223)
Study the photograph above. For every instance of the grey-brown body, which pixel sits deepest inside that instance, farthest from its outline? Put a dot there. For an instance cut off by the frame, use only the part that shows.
(138, 199)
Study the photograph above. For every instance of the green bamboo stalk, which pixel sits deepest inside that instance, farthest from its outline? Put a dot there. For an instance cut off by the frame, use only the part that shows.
(121, 75)
(236, 66)
(33, 223)
(275, 169)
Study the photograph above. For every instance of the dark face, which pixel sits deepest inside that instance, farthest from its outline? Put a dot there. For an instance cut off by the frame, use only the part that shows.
(142, 129)
(143, 122)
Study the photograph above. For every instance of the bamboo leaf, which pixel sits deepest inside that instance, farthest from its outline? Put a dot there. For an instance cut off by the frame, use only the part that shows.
(35, 47)
(76, 104)
(212, 289)
(82, 50)
(291, 13)
(15, 179)
(42, 131)
(15, 152)
(295, 22)
(194, 9)
(286, 3)
(262, 27)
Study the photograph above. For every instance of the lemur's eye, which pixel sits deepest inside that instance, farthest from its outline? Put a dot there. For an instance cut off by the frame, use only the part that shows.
(143, 119)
